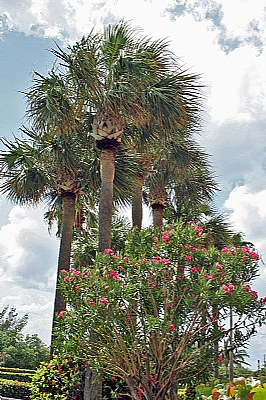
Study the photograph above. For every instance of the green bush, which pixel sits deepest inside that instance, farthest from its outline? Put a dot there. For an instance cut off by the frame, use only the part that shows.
(16, 376)
(62, 379)
(16, 389)
(17, 370)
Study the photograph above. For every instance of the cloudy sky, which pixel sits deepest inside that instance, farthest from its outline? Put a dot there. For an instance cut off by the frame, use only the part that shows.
(223, 40)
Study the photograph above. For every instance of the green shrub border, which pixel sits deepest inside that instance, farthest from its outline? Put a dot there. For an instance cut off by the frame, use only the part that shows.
(16, 389)
(15, 382)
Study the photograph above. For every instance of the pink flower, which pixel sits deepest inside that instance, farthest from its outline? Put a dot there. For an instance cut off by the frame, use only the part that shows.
(246, 288)
(61, 313)
(73, 271)
(115, 275)
(195, 269)
(165, 260)
(85, 276)
(106, 287)
(188, 258)
(228, 288)
(165, 238)
(93, 303)
(254, 294)
(104, 300)
(264, 300)
(109, 251)
(208, 277)
(220, 359)
(77, 287)
(217, 265)
(172, 327)
(254, 255)
(225, 250)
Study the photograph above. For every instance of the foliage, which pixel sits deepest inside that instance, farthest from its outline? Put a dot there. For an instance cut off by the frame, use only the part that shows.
(17, 350)
(146, 315)
(15, 389)
(260, 393)
(16, 374)
(61, 378)
(85, 242)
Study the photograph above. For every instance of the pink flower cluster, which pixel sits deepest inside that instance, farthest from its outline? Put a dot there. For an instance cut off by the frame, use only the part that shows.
(189, 247)
(228, 288)
(111, 253)
(104, 300)
(197, 228)
(227, 250)
(166, 236)
(194, 269)
(61, 313)
(250, 252)
(247, 288)
(157, 259)
(171, 326)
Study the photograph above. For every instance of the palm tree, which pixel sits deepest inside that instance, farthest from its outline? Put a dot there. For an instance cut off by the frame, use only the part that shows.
(181, 172)
(45, 169)
(125, 80)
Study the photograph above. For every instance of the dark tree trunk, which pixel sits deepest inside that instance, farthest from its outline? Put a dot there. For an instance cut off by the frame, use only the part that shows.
(80, 219)
(107, 163)
(137, 209)
(157, 215)
(92, 387)
(68, 220)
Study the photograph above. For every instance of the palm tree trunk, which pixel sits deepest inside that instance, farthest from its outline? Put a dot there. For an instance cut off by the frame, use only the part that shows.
(92, 389)
(68, 220)
(137, 209)
(157, 215)
(107, 162)
(158, 198)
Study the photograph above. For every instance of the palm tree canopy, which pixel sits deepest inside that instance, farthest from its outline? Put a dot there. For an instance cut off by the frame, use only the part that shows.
(125, 78)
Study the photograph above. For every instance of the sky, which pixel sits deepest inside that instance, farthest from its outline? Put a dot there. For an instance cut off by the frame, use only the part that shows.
(222, 40)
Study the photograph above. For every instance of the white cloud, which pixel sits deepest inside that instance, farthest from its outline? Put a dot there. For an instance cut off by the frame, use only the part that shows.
(27, 251)
(245, 11)
(248, 215)
(28, 268)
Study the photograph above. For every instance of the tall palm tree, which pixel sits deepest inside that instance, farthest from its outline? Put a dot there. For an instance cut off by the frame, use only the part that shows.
(43, 168)
(127, 80)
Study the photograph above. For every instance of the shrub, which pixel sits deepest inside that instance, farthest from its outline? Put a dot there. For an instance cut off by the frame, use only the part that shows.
(16, 389)
(151, 315)
(62, 379)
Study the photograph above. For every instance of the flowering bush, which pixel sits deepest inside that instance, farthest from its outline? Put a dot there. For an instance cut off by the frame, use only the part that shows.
(150, 316)
(62, 378)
